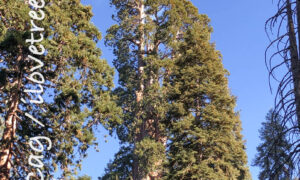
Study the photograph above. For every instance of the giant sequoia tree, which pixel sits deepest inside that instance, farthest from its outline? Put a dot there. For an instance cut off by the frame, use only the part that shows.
(179, 119)
(283, 62)
(138, 41)
(76, 89)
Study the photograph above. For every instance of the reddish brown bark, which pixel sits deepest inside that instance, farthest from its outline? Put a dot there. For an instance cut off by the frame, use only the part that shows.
(8, 138)
(7, 141)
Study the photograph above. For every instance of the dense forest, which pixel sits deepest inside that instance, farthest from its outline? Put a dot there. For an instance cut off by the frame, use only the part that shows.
(166, 96)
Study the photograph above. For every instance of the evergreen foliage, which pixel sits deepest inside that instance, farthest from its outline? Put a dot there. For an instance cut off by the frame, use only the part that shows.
(272, 157)
(205, 131)
(76, 92)
(85, 177)
(179, 119)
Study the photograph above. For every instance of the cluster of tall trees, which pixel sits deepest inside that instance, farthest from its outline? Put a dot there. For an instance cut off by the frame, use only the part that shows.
(172, 111)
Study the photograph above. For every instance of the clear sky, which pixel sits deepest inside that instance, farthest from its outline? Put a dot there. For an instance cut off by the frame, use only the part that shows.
(239, 35)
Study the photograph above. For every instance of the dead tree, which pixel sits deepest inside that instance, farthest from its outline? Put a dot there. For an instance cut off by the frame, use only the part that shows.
(283, 63)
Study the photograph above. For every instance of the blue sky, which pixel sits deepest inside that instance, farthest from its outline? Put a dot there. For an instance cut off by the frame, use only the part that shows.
(240, 36)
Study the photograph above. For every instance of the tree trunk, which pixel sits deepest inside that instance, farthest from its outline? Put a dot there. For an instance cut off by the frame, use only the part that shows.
(147, 126)
(9, 134)
(8, 137)
(298, 68)
(140, 92)
(295, 69)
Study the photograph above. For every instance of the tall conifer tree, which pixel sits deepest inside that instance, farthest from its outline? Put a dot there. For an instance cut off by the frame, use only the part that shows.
(205, 131)
(136, 40)
(76, 89)
(153, 44)
(273, 153)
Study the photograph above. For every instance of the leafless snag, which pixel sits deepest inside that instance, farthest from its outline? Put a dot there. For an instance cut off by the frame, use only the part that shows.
(283, 64)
